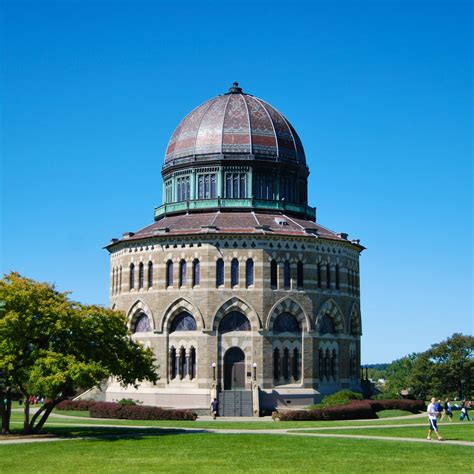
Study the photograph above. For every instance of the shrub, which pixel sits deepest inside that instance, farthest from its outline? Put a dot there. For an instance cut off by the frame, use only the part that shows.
(79, 405)
(342, 397)
(413, 406)
(353, 410)
(356, 409)
(127, 401)
(138, 412)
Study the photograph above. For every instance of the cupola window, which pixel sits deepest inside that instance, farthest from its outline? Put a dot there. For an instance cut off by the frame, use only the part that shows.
(235, 185)
(207, 186)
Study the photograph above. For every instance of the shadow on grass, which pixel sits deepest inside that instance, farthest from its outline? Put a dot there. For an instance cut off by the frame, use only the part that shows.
(114, 433)
(106, 433)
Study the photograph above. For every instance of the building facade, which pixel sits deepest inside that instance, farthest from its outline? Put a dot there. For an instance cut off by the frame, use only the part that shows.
(237, 289)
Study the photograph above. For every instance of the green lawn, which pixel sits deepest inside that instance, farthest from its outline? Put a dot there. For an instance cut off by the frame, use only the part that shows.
(463, 432)
(390, 413)
(231, 453)
(249, 425)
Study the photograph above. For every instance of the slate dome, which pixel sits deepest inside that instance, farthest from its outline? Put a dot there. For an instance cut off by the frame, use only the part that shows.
(235, 124)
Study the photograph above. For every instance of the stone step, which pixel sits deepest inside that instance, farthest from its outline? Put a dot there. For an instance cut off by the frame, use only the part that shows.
(236, 403)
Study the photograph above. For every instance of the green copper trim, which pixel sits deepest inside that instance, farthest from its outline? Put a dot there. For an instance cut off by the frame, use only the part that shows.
(244, 204)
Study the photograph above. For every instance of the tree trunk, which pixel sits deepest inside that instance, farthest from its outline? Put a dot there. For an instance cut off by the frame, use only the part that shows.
(44, 417)
(26, 419)
(6, 409)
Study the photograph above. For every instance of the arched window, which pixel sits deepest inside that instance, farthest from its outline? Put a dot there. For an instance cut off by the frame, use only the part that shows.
(140, 275)
(182, 273)
(326, 325)
(334, 364)
(192, 363)
(142, 323)
(286, 364)
(234, 272)
(113, 281)
(234, 321)
(296, 364)
(150, 274)
(286, 275)
(321, 363)
(319, 275)
(328, 276)
(173, 363)
(299, 275)
(169, 273)
(273, 274)
(220, 272)
(354, 371)
(132, 276)
(196, 272)
(183, 322)
(327, 364)
(337, 277)
(249, 273)
(182, 363)
(276, 364)
(355, 325)
(286, 322)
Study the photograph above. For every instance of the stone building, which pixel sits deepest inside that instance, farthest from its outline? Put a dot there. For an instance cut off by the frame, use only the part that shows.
(235, 286)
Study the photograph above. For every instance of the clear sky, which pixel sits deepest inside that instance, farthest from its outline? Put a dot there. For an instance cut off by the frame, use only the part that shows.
(380, 93)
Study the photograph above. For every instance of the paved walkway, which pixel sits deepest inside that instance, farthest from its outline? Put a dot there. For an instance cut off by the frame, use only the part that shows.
(141, 430)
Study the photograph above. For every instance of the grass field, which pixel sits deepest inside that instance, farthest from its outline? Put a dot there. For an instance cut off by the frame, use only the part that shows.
(231, 453)
(17, 419)
(463, 432)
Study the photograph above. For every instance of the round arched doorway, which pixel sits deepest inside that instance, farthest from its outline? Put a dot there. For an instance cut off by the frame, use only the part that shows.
(234, 369)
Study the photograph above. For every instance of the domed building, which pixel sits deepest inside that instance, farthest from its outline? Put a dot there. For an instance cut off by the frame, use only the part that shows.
(237, 289)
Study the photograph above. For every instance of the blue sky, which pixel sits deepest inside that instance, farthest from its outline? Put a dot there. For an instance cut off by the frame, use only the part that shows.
(379, 92)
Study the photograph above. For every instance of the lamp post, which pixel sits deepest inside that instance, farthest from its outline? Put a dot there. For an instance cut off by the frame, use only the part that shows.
(462, 389)
(213, 365)
(254, 365)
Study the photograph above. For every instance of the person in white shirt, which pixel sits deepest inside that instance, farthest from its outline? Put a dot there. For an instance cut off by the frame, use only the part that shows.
(432, 417)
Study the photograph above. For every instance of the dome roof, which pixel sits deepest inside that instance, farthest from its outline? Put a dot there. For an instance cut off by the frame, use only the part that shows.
(236, 124)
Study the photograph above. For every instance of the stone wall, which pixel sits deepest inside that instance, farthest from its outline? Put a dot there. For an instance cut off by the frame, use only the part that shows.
(259, 302)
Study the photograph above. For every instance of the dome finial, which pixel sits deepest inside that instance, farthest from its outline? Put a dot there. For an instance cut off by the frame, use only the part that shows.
(235, 89)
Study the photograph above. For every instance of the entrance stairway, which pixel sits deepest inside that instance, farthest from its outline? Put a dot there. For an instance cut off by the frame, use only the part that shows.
(235, 403)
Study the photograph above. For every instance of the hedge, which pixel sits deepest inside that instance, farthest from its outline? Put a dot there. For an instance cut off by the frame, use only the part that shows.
(80, 405)
(413, 406)
(354, 410)
(138, 412)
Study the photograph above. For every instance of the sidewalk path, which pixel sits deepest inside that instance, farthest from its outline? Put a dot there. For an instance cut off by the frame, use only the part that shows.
(141, 430)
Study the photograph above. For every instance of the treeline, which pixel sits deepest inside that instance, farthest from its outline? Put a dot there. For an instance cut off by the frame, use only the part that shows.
(444, 370)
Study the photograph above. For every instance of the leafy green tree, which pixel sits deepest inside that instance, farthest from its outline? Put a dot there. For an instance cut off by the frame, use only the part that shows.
(397, 374)
(438, 372)
(447, 364)
(50, 346)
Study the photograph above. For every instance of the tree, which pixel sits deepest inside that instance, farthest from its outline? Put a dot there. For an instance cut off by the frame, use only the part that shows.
(51, 346)
(446, 369)
(397, 374)
(451, 366)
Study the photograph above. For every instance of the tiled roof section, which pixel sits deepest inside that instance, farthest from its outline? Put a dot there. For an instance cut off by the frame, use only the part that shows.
(234, 223)
(236, 123)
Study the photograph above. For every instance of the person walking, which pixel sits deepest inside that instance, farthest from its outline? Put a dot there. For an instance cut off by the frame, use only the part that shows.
(464, 411)
(432, 417)
(447, 411)
(215, 408)
(438, 409)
